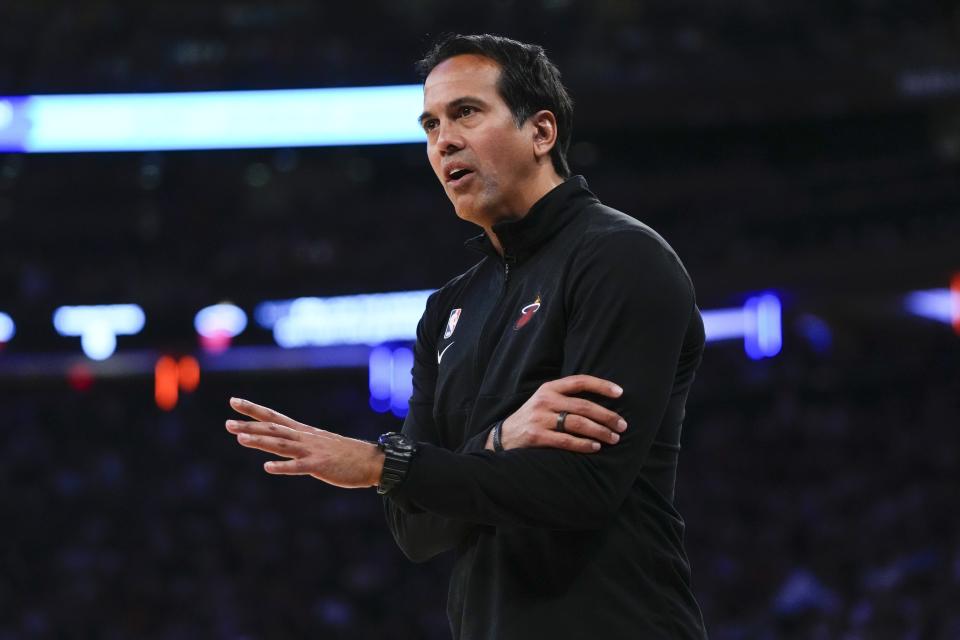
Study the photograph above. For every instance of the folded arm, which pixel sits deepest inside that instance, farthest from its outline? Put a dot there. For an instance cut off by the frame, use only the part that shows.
(630, 304)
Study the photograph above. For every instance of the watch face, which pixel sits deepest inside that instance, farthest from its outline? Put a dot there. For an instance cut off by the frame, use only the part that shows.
(398, 442)
(402, 443)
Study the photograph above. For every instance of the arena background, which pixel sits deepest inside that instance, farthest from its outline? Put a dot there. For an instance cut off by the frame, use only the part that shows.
(805, 154)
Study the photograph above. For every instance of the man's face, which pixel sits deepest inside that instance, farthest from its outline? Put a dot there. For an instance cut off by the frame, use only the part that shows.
(482, 159)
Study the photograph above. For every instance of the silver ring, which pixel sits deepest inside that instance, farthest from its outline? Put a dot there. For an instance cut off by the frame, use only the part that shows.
(561, 419)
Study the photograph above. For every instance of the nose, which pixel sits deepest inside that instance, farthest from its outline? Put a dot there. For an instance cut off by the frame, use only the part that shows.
(448, 140)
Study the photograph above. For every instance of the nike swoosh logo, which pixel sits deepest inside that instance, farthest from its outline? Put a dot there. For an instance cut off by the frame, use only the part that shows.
(440, 353)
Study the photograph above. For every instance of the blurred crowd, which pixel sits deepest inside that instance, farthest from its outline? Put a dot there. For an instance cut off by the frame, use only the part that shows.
(108, 45)
(819, 491)
(812, 148)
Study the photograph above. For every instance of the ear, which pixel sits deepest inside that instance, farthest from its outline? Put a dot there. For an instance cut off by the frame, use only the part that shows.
(544, 132)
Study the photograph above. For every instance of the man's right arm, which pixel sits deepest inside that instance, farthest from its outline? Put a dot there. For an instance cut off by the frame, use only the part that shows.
(419, 534)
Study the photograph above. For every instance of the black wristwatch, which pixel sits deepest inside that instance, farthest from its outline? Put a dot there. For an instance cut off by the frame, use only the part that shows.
(399, 450)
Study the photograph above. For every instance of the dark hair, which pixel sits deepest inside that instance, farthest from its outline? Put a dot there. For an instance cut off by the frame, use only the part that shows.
(529, 81)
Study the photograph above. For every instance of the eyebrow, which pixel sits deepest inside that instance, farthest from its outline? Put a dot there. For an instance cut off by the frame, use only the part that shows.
(453, 104)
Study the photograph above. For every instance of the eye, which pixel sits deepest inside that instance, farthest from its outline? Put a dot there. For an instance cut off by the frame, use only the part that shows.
(465, 110)
(430, 125)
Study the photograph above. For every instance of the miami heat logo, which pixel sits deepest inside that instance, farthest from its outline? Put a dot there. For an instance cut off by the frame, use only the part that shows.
(526, 314)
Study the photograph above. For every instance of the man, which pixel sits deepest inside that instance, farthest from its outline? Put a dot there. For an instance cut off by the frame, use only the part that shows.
(553, 485)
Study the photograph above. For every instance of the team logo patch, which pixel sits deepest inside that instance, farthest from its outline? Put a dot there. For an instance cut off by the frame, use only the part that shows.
(526, 314)
(452, 323)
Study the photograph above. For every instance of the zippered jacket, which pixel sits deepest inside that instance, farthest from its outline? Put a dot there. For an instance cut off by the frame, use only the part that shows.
(551, 543)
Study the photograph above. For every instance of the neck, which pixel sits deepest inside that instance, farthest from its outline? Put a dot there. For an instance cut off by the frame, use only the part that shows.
(541, 185)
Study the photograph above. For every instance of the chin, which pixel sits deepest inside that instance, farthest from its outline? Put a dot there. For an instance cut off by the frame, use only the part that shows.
(468, 217)
(465, 211)
(473, 208)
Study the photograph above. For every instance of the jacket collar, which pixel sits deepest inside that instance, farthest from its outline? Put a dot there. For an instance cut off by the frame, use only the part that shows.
(521, 238)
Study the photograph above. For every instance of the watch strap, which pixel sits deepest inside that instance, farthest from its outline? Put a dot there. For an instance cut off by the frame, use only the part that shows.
(398, 450)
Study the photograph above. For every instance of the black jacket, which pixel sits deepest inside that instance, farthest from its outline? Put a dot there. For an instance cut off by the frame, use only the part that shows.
(550, 543)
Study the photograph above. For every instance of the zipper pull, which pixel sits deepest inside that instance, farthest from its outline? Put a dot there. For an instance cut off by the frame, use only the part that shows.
(507, 259)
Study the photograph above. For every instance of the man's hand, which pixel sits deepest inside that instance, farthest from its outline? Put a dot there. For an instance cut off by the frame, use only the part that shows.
(335, 459)
(587, 423)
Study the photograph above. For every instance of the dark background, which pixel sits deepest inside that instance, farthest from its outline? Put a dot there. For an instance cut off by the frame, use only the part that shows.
(806, 147)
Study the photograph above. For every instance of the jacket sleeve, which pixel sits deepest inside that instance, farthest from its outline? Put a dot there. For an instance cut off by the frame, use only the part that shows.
(628, 305)
(419, 534)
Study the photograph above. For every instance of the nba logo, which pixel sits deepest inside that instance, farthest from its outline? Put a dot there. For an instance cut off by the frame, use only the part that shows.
(452, 323)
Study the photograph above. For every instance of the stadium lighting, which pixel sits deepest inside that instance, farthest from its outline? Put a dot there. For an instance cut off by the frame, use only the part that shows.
(211, 119)
(6, 114)
(401, 382)
(759, 322)
(98, 326)
(218, 324)
(391, 381)
(934, 304)
(369, 319)
(381, 374)
(942, 305)
(763, 335)
(723, 324)
(7, 328)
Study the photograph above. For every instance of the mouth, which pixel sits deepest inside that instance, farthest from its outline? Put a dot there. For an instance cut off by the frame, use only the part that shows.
(456, 177)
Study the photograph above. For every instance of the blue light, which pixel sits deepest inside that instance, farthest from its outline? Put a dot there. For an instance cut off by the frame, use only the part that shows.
(7, 328)
(220, 320)
(381, 376)
(211, 120)
(362, 319)
(14, 125)
(758, 322)
(763, 337)
(391, 379)
(98, 326)
(723, 324)
(98, 342)
(934, 304)
(401, 381)
(816, 331)
(6, 114)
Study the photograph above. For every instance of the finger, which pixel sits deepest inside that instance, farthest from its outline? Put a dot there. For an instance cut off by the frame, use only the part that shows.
(582, 383)
(579, 425)
(554, 440)
(595, 412)
(263, 428)
(266, 414)
(279, 446)
(286, 467)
